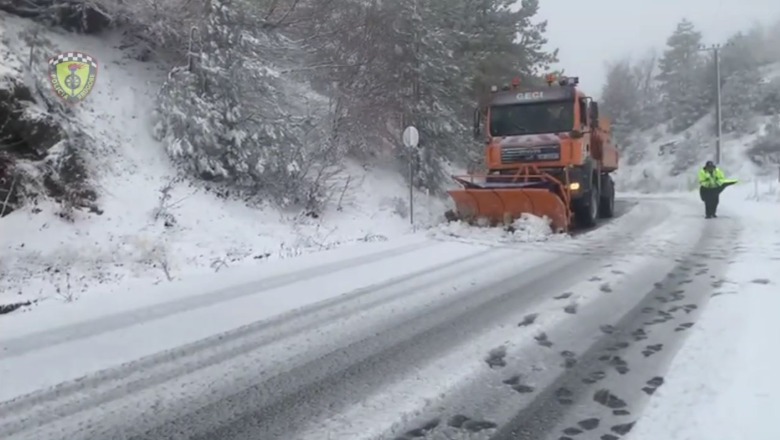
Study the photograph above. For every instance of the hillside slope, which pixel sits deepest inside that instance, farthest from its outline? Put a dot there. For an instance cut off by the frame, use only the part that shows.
(656, 161)
(156, 225)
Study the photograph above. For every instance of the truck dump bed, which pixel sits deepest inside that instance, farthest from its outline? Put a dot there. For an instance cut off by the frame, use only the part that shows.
(604, 150)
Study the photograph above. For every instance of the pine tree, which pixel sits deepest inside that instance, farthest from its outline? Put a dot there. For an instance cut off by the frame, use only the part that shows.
(683, 78)
(426, 63)
(741, 81)
(621, 99)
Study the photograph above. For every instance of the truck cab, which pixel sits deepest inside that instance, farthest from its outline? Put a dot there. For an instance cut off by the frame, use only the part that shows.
(557, 129)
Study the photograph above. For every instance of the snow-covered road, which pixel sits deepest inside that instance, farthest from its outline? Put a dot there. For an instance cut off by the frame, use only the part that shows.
(430, 336)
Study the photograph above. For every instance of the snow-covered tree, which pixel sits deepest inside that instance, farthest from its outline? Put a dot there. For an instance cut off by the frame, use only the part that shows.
(686, 91)
(621, 98)
(227, 119)
(741, 81)
(425, 63)
(766, 148)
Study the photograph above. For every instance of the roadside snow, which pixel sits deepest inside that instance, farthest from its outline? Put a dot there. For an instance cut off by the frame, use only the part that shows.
(192, 315)
(528, 228)
(723, 384)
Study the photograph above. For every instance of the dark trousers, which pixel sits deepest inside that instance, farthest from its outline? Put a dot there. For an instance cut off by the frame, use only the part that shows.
(711, 198)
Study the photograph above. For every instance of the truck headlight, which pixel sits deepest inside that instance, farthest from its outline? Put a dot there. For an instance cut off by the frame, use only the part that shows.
(574, 186)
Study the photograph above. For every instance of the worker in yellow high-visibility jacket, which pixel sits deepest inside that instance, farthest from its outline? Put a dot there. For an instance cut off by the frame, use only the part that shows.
(712, 181)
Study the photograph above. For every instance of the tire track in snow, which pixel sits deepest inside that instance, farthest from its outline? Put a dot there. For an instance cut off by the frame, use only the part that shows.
(281, 403)
(275, 409)
(19, 346)
(476, 401)
(71, 397)
(616, 375)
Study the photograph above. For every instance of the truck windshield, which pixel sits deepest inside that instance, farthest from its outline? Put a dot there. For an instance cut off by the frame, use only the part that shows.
(532, 118)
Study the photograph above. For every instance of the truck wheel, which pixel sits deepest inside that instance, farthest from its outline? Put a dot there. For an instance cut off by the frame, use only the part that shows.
(607, 205)
(587, 213)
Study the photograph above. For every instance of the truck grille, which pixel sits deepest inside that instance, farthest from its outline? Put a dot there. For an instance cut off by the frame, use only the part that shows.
(530, 154)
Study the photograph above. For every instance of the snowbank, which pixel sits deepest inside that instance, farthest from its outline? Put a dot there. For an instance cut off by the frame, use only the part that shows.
(526, 229)
(723, 384)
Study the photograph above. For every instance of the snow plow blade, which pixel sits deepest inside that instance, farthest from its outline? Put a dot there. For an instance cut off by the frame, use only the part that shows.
(497, 201)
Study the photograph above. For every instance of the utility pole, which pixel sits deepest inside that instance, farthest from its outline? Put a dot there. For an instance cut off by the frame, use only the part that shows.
(715, 49)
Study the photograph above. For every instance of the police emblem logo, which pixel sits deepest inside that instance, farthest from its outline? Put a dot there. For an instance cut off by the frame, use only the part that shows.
(72, 75)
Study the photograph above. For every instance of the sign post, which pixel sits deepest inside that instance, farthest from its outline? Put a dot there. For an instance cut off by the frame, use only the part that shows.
(411, 139)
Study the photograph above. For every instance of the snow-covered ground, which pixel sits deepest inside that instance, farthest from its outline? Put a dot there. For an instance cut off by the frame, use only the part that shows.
(43, 257)
(724, 383)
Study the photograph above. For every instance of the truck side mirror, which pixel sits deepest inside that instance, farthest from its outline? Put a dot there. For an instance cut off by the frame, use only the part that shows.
(594, 113)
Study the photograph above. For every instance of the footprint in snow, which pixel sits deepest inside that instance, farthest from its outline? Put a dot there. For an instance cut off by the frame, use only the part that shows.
(462, 422)
(657, 381)
(652, 385)
(569, 359)
(605, 288)
(595, 279)
(621, 412)
(608, 329)
(571, 309)
(478, 425)
(589, 424)
(760, 281)
(528, 320)
(457, 421)
(563, 296)
(424, 430)
(623, 429)
(496, 357)
(685, 326)
(639, 334)
(542, 339)
(652, 349)
(621, 366)
(564, 396)
(515, 383)
(619, 346)
(605, 398)
(594, 377)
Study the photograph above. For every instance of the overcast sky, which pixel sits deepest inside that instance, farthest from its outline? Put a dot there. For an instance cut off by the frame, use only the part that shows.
(590, 32)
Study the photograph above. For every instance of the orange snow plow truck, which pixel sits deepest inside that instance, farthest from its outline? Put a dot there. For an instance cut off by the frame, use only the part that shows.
(548, 154)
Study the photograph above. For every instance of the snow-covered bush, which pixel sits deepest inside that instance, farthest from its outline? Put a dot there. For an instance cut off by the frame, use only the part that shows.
(229, 119)
(41, 150)
(769, 104)
(766, 148)
(740, 96)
